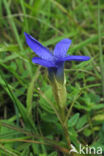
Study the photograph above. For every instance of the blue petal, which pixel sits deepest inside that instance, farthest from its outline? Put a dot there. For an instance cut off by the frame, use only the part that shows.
(61, 48)
(75, 58)
(43, 62)
(38, 48)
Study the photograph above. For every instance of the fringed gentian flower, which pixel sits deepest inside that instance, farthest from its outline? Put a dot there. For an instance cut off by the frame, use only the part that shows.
(54, 61)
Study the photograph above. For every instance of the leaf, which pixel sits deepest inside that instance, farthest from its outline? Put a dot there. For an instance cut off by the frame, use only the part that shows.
(73, 136)
(87, 132)
(72, 122)
(98, 106)
(53, 154)
(48, 117)
(49, 97)
(43, 154)
(99, 117)
(10, 47)
(81, 122)
(30, 92)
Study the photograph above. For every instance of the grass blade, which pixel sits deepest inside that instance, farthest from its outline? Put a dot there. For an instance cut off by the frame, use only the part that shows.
(30, 92)
(100, 49)
(13, 24)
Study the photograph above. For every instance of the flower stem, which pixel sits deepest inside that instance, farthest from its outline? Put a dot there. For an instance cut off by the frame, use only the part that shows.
(59, 92)
(65, 129)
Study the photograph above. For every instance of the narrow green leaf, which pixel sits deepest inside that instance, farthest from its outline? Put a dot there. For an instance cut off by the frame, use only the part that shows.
(72, 122)
(30, 92)
(81, 122)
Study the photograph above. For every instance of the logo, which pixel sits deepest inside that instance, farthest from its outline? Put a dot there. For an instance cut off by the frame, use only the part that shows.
(73, 149)
(86, 150)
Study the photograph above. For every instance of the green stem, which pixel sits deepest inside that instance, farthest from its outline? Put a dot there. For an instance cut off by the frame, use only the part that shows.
(59, 92)
(100, 48)
(66, 134)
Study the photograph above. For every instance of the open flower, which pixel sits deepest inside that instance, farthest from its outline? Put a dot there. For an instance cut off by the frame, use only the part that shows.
(54, 61)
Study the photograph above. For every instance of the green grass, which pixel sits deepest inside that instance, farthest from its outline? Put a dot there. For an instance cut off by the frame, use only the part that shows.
(28, 124)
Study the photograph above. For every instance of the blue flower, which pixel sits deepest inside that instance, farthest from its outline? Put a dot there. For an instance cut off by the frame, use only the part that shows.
(54, 61)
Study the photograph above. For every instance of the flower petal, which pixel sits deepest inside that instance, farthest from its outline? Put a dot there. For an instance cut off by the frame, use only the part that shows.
(75, 58)
(38, 48)
(43, 62)
(62, 47)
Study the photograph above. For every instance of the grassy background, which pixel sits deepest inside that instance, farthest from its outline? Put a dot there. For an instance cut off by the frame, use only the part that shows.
(28, 124)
